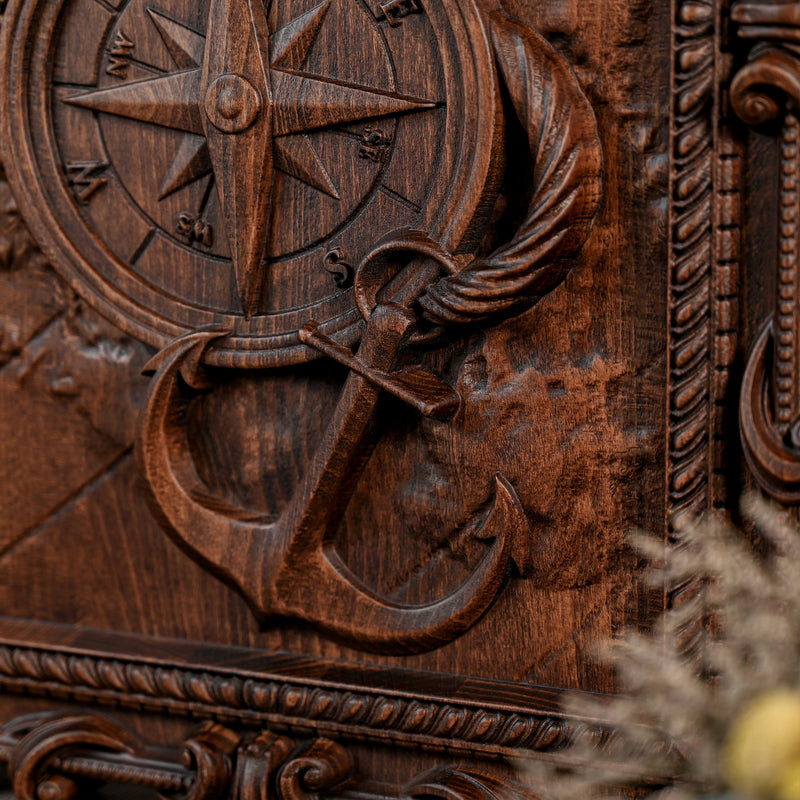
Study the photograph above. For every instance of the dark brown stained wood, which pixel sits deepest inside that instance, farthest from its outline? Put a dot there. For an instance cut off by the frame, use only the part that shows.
(533, 419)
(361, 334)
(77, 641)
(565, 160)
(223, 435)
(764, 94)
(61, 755)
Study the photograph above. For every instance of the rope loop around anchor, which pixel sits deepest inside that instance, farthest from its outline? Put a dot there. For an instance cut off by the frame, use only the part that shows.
(567, 163)
(387, 263)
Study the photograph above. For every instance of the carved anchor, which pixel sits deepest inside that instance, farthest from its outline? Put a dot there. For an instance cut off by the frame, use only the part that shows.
(259, 113)
(287, 566)
(303, 576)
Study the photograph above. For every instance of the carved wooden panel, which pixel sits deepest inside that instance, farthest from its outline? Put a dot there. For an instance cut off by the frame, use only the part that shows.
(342, 344)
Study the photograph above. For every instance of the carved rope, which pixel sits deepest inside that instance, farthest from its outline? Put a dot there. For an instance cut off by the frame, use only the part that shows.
(567, 162)
(703, 286)
(704, 254)
(404, 721)
(690, 272)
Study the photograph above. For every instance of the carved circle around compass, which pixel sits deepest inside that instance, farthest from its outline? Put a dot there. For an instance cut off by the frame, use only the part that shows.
(193, 163)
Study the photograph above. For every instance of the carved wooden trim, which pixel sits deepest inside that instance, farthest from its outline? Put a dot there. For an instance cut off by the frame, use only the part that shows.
(703, 282)
(403, 720)
(705, 218)
(690, 259)
(256, 688)
(728, 207)
(49, 756)
(785, 368)
(765, 92)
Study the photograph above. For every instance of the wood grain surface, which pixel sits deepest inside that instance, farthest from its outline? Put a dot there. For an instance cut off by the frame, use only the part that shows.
(466, 295)
(563, 400)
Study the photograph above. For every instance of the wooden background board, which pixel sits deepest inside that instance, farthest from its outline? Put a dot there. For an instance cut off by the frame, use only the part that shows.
(566, 400)
(609, 405)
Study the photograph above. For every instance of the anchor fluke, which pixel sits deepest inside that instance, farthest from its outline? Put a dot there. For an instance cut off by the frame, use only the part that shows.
(198, 522)
(357, 616)
(507, 514)
(288, 566)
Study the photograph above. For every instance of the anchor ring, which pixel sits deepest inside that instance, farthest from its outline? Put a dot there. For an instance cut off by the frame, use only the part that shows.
(380, 266)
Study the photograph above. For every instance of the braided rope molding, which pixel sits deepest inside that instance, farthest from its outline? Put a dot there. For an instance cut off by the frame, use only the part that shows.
(690, 259)
(432, 724)
(132, 774)
(727, 239)
(703, 280)
(785, 323)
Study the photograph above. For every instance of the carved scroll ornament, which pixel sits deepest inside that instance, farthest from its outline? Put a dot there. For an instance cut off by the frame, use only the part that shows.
(764, 91)
(256, 106)
(762, 87)
(51, 756)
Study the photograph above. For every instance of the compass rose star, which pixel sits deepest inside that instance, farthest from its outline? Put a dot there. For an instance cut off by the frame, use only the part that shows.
(245, 106)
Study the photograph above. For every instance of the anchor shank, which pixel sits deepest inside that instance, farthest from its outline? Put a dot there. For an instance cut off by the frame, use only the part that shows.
(321, 499)
(405, 287)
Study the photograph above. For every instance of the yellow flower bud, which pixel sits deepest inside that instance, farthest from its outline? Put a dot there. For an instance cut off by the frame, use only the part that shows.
(789, 782)
(761, 756)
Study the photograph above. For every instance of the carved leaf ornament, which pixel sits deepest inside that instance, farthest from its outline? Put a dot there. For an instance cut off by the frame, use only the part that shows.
(255, 110)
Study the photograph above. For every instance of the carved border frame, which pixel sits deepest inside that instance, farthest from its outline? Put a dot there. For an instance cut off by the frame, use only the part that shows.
(487, 720)
(704, 253)
(705, 246)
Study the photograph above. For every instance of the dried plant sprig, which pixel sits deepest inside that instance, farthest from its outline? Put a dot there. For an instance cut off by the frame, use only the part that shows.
(680, 689)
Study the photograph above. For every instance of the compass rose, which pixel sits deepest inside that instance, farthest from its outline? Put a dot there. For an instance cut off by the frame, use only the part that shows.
(245, 105)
